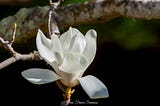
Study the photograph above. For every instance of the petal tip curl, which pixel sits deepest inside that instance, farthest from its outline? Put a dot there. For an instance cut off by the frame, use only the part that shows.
(93, 33)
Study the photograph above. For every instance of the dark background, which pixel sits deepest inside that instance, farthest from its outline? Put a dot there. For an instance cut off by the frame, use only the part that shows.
(131, 78)
(127, 62)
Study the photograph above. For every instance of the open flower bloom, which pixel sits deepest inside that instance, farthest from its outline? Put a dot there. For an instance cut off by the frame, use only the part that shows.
(69, 55)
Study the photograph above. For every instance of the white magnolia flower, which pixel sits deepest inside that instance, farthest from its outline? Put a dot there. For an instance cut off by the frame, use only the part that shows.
(69, 55)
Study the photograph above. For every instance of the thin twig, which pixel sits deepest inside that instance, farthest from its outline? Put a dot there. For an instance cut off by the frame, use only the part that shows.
(49, 21)
(7, 45)
(15, 55)
(14, 33)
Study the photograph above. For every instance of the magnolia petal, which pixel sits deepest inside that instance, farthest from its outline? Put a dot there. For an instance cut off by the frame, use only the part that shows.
(68, 36)
(54, 65)
(74, 63)
(65, 38)
(93, 87)
(77, 44)
(72, 67)
(40, 76)
(44, 46)
(57, 48)
(90, 51)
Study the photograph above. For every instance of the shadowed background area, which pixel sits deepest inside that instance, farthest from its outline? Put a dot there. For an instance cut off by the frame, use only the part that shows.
(127, 62)
(129, 76)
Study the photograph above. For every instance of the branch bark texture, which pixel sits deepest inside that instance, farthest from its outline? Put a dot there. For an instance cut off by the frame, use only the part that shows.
(16, 56)
(29, 20)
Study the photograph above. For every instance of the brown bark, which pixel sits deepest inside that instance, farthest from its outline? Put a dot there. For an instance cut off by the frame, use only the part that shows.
(29, 20)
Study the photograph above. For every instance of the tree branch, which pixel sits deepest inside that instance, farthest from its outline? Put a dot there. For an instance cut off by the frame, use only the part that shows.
(16, 56)
(29, 20)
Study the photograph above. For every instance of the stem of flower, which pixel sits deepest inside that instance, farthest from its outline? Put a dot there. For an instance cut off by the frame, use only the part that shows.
(67, 96)
(68, 93)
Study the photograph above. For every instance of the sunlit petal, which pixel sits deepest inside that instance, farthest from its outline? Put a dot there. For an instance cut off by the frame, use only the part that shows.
(40, 76)
(68, 36)
(74, 63)
(65, 39)
(93, 87)
(90, 51)
(72, 68)
(77, 44)
(44, 46)
(57, 48)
